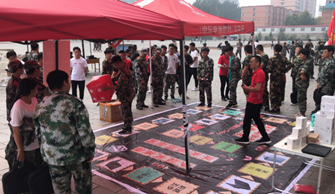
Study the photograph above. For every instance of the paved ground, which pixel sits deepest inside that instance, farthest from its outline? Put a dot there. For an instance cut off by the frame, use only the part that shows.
(102, 186)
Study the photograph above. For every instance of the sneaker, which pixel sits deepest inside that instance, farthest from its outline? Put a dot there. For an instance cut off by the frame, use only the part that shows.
(274, 111)
(172, 96)
(224, 99)
(201, 104)
(312, 77)
(125, 131)
(293, 104)
(314, 111)
(144, 106)
(227, 98)
(165, 98)
(263, 141)
(229, 105)
(195, 89)
(187, 97)
(235, 105)
(156, 105)
(266, 108)
(242, 141)
(209, 105)
(161, 103)
(149, 91)
(139, 108)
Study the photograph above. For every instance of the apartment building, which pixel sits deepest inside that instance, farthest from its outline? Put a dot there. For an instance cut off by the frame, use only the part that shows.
(297, 5)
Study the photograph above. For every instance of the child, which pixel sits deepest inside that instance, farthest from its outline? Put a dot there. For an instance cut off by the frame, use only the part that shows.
(205, 77)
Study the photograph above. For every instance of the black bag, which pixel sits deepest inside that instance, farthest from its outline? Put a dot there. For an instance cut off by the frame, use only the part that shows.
(40, 181)
(16, 180)
(317, 95)
(294, 97)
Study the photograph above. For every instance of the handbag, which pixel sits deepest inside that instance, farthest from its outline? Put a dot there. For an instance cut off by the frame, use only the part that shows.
(40, 181)
(294, 97)
(16, 180)
(317, 95)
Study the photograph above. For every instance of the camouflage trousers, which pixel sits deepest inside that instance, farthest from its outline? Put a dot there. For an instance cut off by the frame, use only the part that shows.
(238, 51)
(292, 57)
(302, 96)
(266, 93)
(246, 81)
(294, 87)
(127, 114)
(61, 178)
(32, 158)
(325, 91)
(157, 88)
(232, 90)
(142, 92)
(275, 93)
(170, 82)
(205, 86)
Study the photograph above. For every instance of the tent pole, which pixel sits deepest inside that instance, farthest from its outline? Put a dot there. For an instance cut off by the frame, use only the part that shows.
(253, 43)
(56, 54)
(90, 49)
(150, 85)
(185, 120)
(82, 45)
(27, 48)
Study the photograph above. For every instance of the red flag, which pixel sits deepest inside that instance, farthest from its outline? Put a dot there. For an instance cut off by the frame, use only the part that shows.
(331, 29)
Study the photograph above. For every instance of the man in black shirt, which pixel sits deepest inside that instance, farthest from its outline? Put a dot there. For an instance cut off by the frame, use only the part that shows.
(188, 62)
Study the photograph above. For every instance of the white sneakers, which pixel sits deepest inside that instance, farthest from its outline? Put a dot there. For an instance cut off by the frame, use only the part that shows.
(195, 89)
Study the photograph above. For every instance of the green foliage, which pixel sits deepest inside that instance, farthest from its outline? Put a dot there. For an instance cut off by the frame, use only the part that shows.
(226, 9)
(282, 35)
(303, 19)
(259, 36)
(266, 38)
(270, 36)
(293, 37)
(307, 37)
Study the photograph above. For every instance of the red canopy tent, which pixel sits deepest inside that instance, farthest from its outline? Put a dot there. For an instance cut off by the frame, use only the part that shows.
(23, 20)
(196, 22)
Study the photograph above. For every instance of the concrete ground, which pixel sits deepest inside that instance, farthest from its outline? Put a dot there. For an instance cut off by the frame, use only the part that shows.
(102, 186)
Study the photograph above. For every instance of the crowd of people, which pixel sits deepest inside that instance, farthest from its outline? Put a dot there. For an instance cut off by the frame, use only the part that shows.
(49, 125)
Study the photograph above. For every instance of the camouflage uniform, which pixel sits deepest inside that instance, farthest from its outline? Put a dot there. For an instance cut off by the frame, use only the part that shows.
(247, 77)
(165, 66)
(302, 85)
(277, 68)
(141, 66)
(205, 70)
(294, 71)
(326, 78)
(125, 93)
(133, 73)
(292, 52)
(311, 69)
(284, 51)
(157, 75)
(239, 48)
(320, 61)
(107, 68)
(66, 141)
(42, 90)
(234, 77)
(11, 91)
(32, 56)
(170, 80)
(265, 60)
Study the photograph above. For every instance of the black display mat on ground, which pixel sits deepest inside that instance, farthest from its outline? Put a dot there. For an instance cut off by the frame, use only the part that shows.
(152, 159)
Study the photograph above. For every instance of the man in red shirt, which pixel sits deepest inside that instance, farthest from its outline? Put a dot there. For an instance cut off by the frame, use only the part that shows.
(224, 62)
(126, 61)
(254, 104)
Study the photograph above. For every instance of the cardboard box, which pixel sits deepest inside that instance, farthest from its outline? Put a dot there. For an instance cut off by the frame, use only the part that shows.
(325, 137)
(327, 123)
(328, 99)
(313, 137)
(327, 113)
(298, 133)
(110, 111)
(293, 143)
(303, 142)
(318, 119)
(301, 122)
(327, 106)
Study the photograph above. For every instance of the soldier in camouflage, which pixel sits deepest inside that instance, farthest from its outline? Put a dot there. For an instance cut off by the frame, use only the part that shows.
(107, 66)
(311, 58)
(285, 49)
(33, 71)
(278, 65)
(292, 51)
(157, 74)
(165, 66)
(234, 76)
(205, 74)
(302, 81)
(33, 55)
(326, 79)
(239, 48)
(141, 66)
(294, 71)
(319, 60)
(247, 72)
(264, 64)
(65, 136)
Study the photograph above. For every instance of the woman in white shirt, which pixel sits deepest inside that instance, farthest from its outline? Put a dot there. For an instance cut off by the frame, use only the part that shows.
(23, 143)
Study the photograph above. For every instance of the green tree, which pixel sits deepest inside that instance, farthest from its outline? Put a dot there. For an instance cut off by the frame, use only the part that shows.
(303, 19)
(266, 38)
(270, 36)
(307, 37)
(259, 36)
(226, 9)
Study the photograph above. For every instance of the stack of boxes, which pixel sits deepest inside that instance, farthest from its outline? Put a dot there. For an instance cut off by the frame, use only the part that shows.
(324, 120)
(110, 111)
(298, 138)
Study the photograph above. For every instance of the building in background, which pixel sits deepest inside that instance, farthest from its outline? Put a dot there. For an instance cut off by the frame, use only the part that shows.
(297, 5)
(233, 1)
(327, 12)
(266, 15)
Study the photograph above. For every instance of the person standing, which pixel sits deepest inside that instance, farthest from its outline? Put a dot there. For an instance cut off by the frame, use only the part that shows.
(272, 44)
(278, 65)
(247, 72)
(107, 67)
(302, 81)
(311, 58)
(254, 104)
(326, 79)
(292, 51)
(284, 49)
(79, 69)
(171, 71)
(165, 66)
(157, 74)
(223, 64)
(141, 65)
(188, 62)
(234, 76)
(33, 55)
(205, 76)
(40, 63)
(239, 48)
(194, 65)
(294, 71)
(66, 139)
(264, 66)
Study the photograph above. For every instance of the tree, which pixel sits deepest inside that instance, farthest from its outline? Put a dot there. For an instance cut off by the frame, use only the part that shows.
(303, 19)
(259, 36)
(270, 36)
(281, 35)
(226, 9)
(307, 37)
(266, 38)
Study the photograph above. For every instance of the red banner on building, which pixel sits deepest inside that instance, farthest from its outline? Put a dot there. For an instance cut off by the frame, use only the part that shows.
(330, 32)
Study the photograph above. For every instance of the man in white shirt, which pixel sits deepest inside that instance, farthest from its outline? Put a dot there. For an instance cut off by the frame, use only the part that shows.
(79, 69)
(194, 65)
(171, 71)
